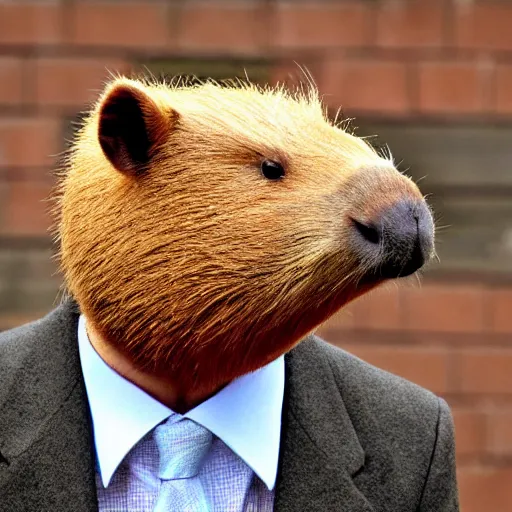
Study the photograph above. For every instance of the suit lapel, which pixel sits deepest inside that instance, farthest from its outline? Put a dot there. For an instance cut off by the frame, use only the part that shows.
(45, 429)
(320, 452)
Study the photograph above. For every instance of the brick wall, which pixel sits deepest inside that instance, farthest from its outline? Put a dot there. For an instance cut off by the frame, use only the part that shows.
(429, 60)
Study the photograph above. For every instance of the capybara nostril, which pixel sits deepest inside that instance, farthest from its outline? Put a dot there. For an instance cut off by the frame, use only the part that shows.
(399, 241)
(369, 232)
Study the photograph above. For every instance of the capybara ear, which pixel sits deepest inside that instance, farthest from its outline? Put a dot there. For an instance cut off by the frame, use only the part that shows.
(132, 127)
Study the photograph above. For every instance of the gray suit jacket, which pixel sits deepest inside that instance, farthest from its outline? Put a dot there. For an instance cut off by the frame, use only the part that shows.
(354, 438)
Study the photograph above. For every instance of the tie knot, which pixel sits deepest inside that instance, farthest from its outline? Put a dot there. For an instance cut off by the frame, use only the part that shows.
(182, 446)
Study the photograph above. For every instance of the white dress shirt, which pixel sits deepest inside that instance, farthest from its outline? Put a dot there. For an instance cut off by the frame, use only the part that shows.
(245, 418)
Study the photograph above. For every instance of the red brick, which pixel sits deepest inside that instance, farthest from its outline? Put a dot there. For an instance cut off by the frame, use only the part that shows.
(286, 72)
(141, 25)
(341, 321)
(470, 433)
(484, 25)
(501, 310)
(27, 23)
(379, 309)
(503, 99)
(11, 81)
(446, 308)
(317, 24)
(73, 82)
(500, 433)
(484, 371)
(366, 85)
(485, 489)
(424, 366)
(11, 320)
(414, 23)
(293, 74)
(25, 211)
(232, 28)
(28, 142)
(454, 87)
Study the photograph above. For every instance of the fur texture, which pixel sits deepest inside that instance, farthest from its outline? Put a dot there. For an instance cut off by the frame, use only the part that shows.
(199, 266)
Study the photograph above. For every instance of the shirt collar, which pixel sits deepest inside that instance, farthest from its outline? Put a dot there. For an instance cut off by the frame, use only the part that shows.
(245, 415)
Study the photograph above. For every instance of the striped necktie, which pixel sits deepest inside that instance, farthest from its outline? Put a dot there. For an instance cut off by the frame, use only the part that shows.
(182, 447)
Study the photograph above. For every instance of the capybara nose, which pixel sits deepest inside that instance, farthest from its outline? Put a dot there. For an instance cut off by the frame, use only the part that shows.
(399, 241)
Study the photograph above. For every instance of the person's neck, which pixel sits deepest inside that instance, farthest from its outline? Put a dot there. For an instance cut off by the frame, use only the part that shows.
(161, 387)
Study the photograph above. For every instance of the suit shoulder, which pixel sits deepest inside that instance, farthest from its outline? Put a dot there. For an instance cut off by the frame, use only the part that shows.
(15, 342)
(392, 399)
(33, 339)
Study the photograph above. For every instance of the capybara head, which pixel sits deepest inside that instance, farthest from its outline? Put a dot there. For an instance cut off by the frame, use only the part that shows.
(206, 230)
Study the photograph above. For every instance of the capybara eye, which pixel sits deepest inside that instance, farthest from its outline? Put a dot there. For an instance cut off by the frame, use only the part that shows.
(272, 170)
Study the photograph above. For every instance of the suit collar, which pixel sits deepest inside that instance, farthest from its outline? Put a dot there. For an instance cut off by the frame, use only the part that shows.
(320, 450)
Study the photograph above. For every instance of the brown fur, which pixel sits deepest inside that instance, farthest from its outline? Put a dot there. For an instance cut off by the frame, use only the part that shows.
(199, 267)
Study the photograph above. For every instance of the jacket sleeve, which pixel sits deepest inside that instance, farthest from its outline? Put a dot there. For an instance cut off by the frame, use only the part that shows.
(440, 493)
